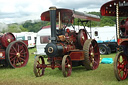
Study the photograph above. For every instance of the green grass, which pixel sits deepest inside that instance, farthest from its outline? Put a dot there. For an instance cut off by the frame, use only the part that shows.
(104, 75)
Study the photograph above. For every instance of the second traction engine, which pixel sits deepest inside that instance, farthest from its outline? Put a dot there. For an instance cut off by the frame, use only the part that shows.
(13, 53)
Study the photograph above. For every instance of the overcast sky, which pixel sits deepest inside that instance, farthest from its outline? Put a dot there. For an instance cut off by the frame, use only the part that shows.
(20, 10)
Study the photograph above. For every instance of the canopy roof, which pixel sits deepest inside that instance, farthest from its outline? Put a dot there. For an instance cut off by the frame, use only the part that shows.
(67, 14)
(109, 8)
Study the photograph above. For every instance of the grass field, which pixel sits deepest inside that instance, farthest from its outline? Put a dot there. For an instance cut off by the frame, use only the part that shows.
(104, 75)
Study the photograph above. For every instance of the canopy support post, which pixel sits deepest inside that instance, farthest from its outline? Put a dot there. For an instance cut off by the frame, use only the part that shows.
(117, 20)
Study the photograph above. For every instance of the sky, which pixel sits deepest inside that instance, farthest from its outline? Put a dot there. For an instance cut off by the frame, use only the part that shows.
(16, 11)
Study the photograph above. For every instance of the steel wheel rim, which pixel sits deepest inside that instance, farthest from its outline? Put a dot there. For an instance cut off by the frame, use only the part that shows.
(66, 66)
(94, 55)
(120, 66)
(39, 66)
(17, 54)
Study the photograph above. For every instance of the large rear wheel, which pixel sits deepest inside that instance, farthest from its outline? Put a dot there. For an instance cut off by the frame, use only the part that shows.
(92, 54)
(120, 64)
(17, 54)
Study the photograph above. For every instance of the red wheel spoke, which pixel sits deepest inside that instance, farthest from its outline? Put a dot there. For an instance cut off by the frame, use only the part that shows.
(23, 53)
(69, 72)
(18, 48)
(12, 54)
(13, 58)
(14, 49)
(38, 62)
(17, 60)
(22, 56)
(22, 59)
(14, 62)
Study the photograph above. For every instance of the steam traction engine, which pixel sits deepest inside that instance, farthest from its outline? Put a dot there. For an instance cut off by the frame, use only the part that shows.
(13, 53)
(68, 48)
(119, 8)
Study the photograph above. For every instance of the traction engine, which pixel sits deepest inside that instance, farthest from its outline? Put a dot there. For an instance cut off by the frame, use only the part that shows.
(119, 9)
(13, 53)
(67, 48)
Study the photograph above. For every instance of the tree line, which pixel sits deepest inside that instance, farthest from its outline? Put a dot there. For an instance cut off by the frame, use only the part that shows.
(35, 26)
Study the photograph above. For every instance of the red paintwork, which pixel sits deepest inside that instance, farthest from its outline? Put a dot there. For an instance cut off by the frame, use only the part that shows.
(65, 13)
(67, 48)
(4, 39)
(109, 8)
(68, 14)
(77, 55)
(123, 41)
(26, 42)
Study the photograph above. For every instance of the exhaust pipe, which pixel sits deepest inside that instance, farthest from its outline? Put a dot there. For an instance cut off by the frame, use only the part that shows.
(53, 24)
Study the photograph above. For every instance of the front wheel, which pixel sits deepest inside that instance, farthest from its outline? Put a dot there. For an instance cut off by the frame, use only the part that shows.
(66, 66)
(39, 66)
(120, 64)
